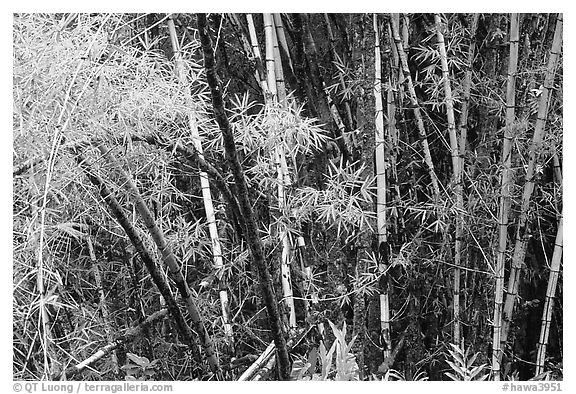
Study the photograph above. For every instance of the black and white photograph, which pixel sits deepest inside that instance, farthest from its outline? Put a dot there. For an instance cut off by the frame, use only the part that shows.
(225, 196)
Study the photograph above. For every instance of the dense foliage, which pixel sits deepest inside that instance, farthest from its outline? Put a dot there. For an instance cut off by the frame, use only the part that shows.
(119, 142)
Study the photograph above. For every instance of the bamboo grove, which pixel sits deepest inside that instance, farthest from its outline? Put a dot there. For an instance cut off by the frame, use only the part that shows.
(287, 196)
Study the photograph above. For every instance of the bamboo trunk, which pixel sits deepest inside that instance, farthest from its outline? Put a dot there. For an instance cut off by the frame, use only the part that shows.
(158, 277)
(281, 34)
(276, 78)
(467, 84)
(522, 230)
(381, 204)
(395, 75)
(550, 295)
(174, 267)
(252, 238)
(205, 186)
(258, 57)
(248, 48)
(415, 106)
(504, 208)
(457, 180)
(111, 346)
(270, 70)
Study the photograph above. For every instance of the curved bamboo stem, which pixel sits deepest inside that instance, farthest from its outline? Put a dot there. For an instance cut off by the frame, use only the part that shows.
(169, 259)
(158, 277)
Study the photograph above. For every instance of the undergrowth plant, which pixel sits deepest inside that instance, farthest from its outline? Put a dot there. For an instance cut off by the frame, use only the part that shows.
(344, 368)
(462, 364)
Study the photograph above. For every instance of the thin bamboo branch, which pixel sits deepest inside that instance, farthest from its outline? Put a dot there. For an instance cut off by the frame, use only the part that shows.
(415, 106)
(550, 295)
(522, 230)
(504, 208)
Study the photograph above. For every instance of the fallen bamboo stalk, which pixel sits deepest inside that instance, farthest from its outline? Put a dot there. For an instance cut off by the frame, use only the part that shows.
(130, 335)
(259, 363)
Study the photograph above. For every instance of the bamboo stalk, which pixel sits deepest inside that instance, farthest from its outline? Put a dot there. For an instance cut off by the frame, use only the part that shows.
(557, 168)
(522, 230)
(416, 107)
(281, 34)
(457, 179)
(277, 75)
(111, 346)
(256, 365)
(174, 267)
(270, 69)
(145, 253)
(550, 295)
(467, 84)
(252, 238)
(395, 75)
(381, 204)
(306, 274)
(265, 370)
(258, 57)
(205, 186)
(504, 208)
(278, 69)
(241, 32)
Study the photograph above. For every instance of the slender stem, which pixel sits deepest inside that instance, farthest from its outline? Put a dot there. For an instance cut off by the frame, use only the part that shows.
(504, 209)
